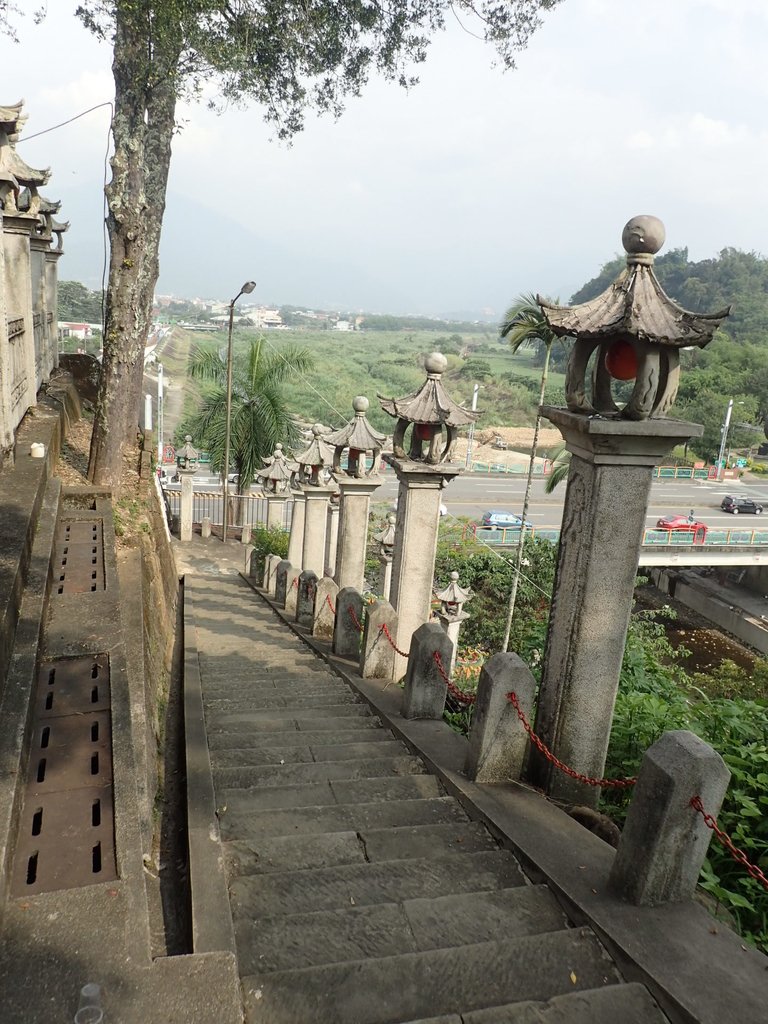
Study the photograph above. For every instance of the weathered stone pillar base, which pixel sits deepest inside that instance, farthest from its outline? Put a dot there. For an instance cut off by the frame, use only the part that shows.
(377, 655)
(315, 520)
(269, 579)
(354, 507)
(498, 743)
(413, 557)
(346, 634)
(284, 573)
(603, 523)
(305, 606)
(325, 608)
(205, 527)
(292, 593)
(665, 840)
(425, 689)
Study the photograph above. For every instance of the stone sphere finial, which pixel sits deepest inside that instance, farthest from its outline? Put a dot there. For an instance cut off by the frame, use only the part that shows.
(360, 403)
(391, 518)
(279, 446)
(187, 438)
(435, 363)
(454, 576)
(644, 234)
(317, 429)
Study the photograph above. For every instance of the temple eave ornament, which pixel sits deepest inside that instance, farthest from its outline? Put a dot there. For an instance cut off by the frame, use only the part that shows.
(636, 332)
(430, 410)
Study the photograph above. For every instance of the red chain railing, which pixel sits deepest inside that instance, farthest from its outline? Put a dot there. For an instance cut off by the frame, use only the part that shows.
(385, 630)
(329, 602)
(738, 855)
(295, 582)
(547, 753)
(455, 692)
(351, 613)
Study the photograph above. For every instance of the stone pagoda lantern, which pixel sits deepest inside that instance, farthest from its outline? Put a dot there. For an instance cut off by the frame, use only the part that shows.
(275, 480)
(423, 468)
(186, 464)
(451, 615)
(356, 484)
(386, 541)
(632, 331)
(312, 463)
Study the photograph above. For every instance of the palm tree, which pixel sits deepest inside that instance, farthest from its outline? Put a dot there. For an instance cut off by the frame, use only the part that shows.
(524, 324)
(259, 414)
(561, 463)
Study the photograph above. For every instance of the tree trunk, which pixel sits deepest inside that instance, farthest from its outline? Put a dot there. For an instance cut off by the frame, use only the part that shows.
(141, 129)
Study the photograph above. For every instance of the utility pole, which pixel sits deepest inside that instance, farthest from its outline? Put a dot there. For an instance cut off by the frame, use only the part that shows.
(160, 449)
(724, 440)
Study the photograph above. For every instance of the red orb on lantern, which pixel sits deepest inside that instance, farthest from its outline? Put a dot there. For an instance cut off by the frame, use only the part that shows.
(621, 361)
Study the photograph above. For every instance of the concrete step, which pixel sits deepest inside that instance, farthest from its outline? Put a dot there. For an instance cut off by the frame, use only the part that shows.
(357, 885)
(389, 929)
(275, 699)
(296, 821)
(296, 853)
(315, 795)
(418, 985)
(298, 682)
(627, 1004)
(324, 771)
(241, 757)
(326, 732)
(280, 718)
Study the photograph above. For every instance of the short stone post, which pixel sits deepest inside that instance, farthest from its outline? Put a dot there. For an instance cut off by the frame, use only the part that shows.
(296, 538)
(498, 743)
(252, 566)
(377, 655)
(346, 631)
(325, 608)
(305, 605)
(276, 510)
(665, 840)
(331, 535)
(269, 579)
(292, 593)
(245, 536)
(425, 689)
(283, 570)
(205, 527)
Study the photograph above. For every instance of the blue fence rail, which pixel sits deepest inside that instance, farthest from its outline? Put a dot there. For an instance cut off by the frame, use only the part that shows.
(509, 537)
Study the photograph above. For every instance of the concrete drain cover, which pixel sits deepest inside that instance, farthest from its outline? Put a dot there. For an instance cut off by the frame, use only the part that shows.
(78, 560)
(66, 836)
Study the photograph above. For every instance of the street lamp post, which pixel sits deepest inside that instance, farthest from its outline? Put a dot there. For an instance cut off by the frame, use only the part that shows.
(245, 290)
(724, 439)
(471, 434)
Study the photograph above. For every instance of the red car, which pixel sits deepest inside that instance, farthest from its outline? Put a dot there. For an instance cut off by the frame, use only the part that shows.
(686, 523)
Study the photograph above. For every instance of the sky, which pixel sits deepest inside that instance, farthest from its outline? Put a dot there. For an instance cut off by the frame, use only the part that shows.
(452, 198)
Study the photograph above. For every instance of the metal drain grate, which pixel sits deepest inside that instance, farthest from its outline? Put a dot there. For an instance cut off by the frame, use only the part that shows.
(78, 562)
(66, 833)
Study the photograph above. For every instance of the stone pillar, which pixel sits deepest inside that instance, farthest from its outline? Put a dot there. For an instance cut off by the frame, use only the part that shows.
(425, 689)
(385, 575)
(346, 635)
(498, 743)
(185, 514)
(326, 598)
(377, 655)
(296, 539)
(665, 840)
(603, 523)
(413, 559)
(245, 534)
(205, 527)
(331, 537)
(353, 529)
(276, 510)
(314, 527)
(305, 605)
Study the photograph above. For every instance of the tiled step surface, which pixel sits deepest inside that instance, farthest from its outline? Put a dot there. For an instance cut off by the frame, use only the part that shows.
(360, 892)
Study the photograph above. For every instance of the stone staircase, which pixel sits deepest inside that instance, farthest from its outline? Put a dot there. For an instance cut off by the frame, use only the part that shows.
(360, 893)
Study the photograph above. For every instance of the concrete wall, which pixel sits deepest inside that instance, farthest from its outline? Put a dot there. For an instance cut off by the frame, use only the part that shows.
(733, 620)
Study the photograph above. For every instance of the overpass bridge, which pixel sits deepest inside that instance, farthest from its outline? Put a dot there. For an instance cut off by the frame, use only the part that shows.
(735, 546)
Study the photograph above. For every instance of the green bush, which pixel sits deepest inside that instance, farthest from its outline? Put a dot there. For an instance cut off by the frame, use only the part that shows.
(269, 542)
